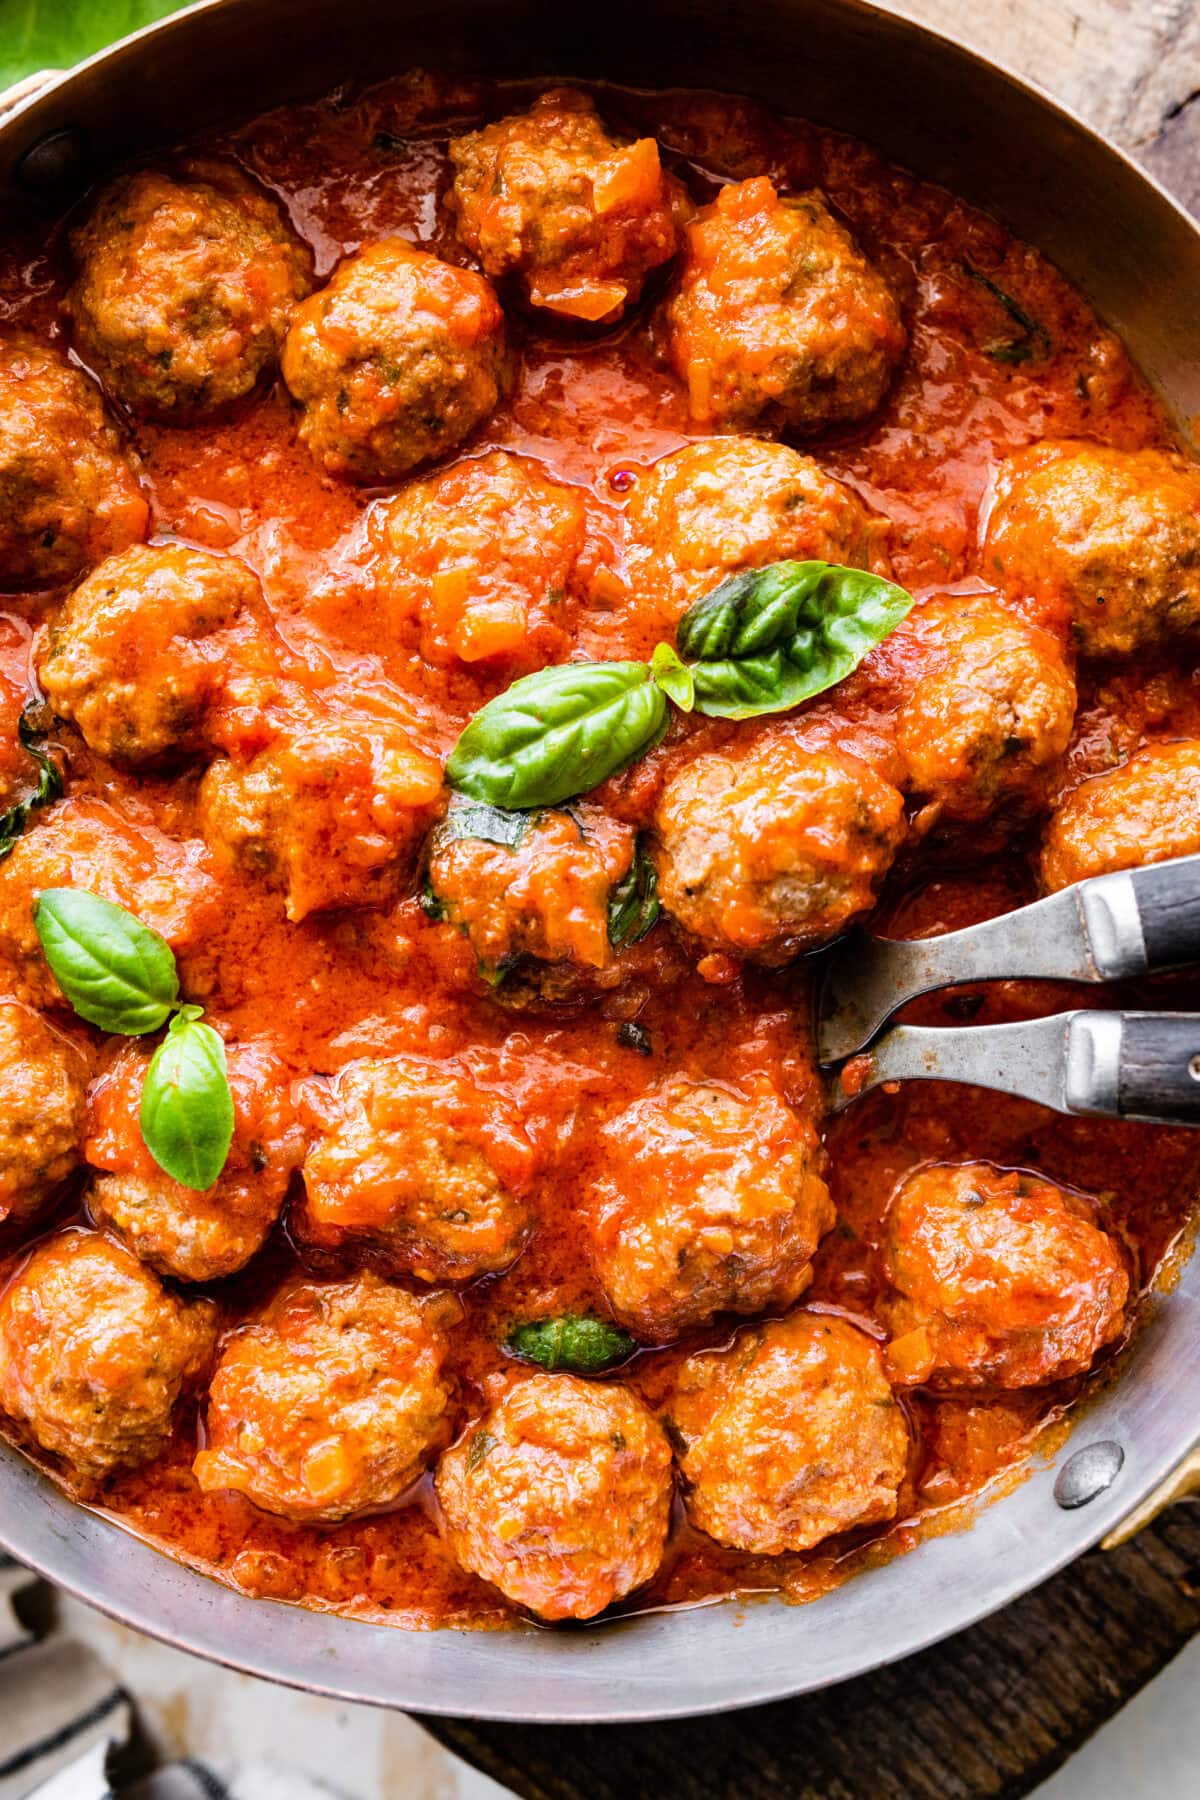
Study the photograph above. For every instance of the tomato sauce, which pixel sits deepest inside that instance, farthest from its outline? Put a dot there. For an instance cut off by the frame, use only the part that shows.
(597, 411)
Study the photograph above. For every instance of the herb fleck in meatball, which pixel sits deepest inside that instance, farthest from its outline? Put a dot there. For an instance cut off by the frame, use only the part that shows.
(395, 362)
(705, 1200)
(483, 556)
(1001, 1279)
(68, 496)
(149, 647)
(726, 504)
(331, 1401)
(790, 1435)
(770, 851)
(184, 289)
(82, 843)
(560, 1496)
(331, 814)
(1111, 536)
(990, 713)
(94, 1353)
(421, 1167)
(544, 896)
(779, 321)
(548, 195)
(178, 1231)
(1146, 811)
(42, 1106)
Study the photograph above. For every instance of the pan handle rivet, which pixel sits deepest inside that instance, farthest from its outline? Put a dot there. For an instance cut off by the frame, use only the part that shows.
(1088, 1473)
(51, 162)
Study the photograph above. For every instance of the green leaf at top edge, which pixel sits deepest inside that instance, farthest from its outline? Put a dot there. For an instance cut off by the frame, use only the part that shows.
(578, 1342)
(115, 971)
(186, 1115)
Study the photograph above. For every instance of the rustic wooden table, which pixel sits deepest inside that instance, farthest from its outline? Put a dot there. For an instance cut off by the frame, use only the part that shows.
(993, 1712)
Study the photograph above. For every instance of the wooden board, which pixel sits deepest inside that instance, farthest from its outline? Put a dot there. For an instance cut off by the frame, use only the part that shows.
(991, 1713)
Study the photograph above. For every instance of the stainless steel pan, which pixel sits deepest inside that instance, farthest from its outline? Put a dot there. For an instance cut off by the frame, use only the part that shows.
(949, 115)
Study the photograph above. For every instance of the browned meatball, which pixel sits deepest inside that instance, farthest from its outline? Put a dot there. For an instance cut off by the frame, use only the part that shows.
(194, 1236)
(483, 556)
(331, 1401)
(331, 814)
(582, 218)
(1110, 536)
(67, 493)
(94, 1353)
(543, 897)
(184, 289)
(990, 713)
(1146, 811)
(790, 1435)
(146, 650)
(705, 1200)
(395, 362)
(726, 504)
(82, 843)
(1001, 1279)
(779, 321)
(768, 851)
(560, 1496)
(42, 1108)
(419, 1165)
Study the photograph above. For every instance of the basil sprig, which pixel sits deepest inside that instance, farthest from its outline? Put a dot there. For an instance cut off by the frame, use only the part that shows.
(49, 781)
(575, 1341)
(121, 976)
(760, 642)
(633, 903)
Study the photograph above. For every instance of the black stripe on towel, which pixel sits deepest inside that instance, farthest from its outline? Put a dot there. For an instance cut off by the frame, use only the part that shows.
(55, 1740)
(212, 1787)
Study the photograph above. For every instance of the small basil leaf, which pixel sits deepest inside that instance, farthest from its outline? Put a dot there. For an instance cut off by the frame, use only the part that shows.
(558, 733)
(115, 971)
(49, 782)
(187, 1109)
(767, 639)
(475, 819)
(633, 903)
(673, 677)
(1034, 339)
(575, 1341)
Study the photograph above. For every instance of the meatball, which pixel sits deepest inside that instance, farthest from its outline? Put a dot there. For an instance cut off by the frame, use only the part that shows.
(331, 1401)
(790, 1435)
(779, 322)
(150, 644)
(990, 713)
(184, 289)
(767, 852)
(483, 556)
(726, 504)
(95, 1353)
(560, 1496)
(1110, 536)
(177, 1230)
(1146, 811)
(42, 1109)
(395, 362)
(705, 1200)
(549, 196)
(83, 843)
(543, 896)
(331, 814)
(420, 1166)
(1000, 1278)
(68, 495)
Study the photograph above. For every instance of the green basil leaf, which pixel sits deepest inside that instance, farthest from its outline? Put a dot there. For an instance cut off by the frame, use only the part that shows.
(1034, 339)
(767, 639)
(187, 1109)
(475, 819)
(558, 733)
(115, 971)
(49, 781)
(633, 903)
(578, 1342)
(673, 677)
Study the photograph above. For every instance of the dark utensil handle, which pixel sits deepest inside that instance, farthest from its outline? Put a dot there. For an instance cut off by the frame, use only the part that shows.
(1159, 1073)
(1168, 903)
